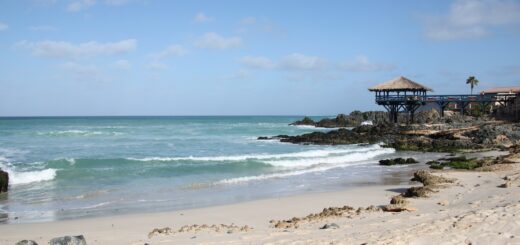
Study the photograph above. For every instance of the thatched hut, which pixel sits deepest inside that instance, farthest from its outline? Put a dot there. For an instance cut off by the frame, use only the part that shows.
(400, 94)
(401, 84)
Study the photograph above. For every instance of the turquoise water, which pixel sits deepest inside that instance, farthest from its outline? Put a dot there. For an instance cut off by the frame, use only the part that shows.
(86, 166)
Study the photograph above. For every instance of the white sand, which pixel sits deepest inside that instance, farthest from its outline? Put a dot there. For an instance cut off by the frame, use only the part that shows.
(475, 211)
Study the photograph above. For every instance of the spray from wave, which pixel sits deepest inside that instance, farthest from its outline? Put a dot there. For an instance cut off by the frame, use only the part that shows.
(17, 177)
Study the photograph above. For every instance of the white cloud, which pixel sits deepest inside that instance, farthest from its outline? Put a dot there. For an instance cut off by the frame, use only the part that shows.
(43, 28)
(297, 61)
(257, 62)
(83, 72)
(171, 51)
(201, 18)
(472, 19)
(78, 5)
(212, 40)
(69, 51)
(122, 64)
(117, 2)
(362, 64)
(3, 26)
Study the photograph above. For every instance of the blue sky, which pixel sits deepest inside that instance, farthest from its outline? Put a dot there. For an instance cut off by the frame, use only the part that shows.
(146, 57)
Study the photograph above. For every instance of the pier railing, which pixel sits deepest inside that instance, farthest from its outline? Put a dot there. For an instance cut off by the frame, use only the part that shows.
(445, 98)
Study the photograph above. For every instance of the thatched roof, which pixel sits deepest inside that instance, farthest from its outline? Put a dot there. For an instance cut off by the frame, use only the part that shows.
(400, 84)
(502, 90)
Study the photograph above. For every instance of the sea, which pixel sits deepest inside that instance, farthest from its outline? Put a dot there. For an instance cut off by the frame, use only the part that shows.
(76, 167)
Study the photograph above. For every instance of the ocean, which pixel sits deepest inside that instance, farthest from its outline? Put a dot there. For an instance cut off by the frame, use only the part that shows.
(73, 167)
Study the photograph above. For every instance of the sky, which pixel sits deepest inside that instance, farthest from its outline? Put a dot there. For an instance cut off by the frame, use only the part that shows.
(258, 57)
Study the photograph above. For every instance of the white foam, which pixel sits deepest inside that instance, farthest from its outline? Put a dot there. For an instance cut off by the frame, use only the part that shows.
(17, 178)
(303, 154)
(76, 133)
(353, 156)
(278, 175)
(26, 177)
(305, 166)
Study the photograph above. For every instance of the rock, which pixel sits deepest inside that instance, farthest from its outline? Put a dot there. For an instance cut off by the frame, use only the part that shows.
(329, 226)
(397, 161)
(305, 121)
(4, 181)
(26, 242)
(420, 191)
(507, 184)
(428, 179)
(399, 199)
(68, 240)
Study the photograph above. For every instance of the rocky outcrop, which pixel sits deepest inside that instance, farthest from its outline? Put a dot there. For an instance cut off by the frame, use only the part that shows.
(4, 181)
(356, 118)
(305, 121)
(461, 133)
(496, 134)
(68, 240)
(335, 137)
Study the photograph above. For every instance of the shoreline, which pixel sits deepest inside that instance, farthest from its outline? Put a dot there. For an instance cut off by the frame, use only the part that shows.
(250, 221)
(101, 230)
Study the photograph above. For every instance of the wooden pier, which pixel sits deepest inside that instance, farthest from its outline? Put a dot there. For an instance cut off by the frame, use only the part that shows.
(404, 95)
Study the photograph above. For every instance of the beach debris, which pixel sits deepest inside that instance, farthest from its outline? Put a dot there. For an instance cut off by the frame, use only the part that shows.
(329, 226)
(443, 203)
(345, 211)
(397, 161)
(4, 181)
(68, 240)
(196, 228)
(397, 208)
(26, 242)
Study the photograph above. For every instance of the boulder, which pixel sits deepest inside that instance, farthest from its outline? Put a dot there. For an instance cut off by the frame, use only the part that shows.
(26, 242)
(4, 181)
(68, 240)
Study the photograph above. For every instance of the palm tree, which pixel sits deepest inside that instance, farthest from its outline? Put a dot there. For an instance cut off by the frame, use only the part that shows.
(472, 81)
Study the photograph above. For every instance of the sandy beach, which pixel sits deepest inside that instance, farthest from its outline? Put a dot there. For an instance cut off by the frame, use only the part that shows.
(473, 210)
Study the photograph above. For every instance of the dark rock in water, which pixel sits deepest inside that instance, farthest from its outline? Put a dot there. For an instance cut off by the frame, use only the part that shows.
(305, 121)
(330, 226)
(68, 240)
(397, 161)
(26, 242)
(336, 137)
(4, 181)
(278, 137)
